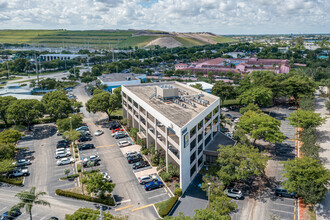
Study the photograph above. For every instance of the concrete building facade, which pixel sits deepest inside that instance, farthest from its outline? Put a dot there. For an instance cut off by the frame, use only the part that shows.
(178, 120)
(50, 57)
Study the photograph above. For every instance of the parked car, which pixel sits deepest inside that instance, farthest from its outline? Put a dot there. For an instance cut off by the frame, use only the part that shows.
(234, 193)
(229, 134)
(284, 193)
(65, 161)
(131, 153)
(223, 130)
(236, 120)
(11, 214)
(292, 108)
(114, 133)
(134, 159)
(146, 179)
(18, 173)
(82, 128)
(94, 163)
(228, 116)
(63, 149)
(153, 185)
(92, 158)
(120, 136)
(124, 143)
(84, 133)
(98, 132)
(106, 177)
(61, 154)
(140, 164)
(114, 126)
(115, 130)
(86, 146)
(85, 138)
(224, 109)
(22, 162)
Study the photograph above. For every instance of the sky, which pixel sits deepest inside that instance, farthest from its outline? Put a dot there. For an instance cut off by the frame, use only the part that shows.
(217, 16)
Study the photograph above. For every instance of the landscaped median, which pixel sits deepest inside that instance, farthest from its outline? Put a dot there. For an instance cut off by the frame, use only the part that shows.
(165, 207)
(16, 181)
(69, 177)
(107, 201)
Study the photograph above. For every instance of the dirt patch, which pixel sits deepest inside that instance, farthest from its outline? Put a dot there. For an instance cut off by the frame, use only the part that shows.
(168, 42)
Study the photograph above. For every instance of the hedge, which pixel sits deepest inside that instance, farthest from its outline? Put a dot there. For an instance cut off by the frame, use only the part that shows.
(79, 167)
(178, 192)
(165, 207)
(70, 177)
(91, 171)
(108, 201)
(16, 181)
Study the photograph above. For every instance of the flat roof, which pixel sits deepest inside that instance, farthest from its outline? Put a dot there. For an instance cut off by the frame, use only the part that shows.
(222, 139)
(171, 110)
(64, 55)
(205, 85)
(117, 77)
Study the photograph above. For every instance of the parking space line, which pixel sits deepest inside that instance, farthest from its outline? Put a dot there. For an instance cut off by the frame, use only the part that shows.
(125, 207)
(106, 146)
(3, 209)
(284, 204)
(127, 200)
(282, 211)
(152, 197)
(143, 207)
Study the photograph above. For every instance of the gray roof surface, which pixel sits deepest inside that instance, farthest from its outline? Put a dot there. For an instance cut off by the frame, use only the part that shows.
(173, 111)
(222, 139)
(117, 77)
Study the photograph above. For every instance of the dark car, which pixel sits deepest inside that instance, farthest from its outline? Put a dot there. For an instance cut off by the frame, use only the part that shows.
(95, 163)
(284, 193)
(223, 130)
(228, 116)
(63, 143)
(11, 214)
(114, 126)
(140, 164)
(134, 159)
(85, 138)
(153, 185)
(86, 146)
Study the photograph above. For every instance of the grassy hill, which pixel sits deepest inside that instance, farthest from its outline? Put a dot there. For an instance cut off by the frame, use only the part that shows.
(95, 38)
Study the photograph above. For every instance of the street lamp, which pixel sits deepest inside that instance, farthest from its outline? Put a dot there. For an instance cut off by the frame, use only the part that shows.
(70, 123)
(209, 192)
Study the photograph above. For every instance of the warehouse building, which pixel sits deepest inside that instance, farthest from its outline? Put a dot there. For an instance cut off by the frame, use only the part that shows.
(115, 80)
(180, 121)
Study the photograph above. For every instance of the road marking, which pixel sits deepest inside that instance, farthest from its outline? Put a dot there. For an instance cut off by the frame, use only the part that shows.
(169, 195)
(143, 207)
(125, 207)
(283, 211)
(106, 146)
(157, 195)
(128, 200)
(284, 204)
(3, 209)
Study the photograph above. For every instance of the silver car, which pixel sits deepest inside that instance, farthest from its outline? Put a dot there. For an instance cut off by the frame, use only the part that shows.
(234, 193)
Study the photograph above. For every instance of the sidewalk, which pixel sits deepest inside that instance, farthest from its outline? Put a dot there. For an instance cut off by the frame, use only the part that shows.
(323, 134)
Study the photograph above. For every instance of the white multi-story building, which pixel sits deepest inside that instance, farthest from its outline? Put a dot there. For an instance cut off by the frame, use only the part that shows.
(178, 120)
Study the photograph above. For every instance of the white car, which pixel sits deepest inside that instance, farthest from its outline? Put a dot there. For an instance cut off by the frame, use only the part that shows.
(117, 132)
(63, 149)
(98, 132)
(236, 120)
(124, 143)
(233, 193)
(64, 161)
(131, 153)
(92, 158)
(106, 177)
(146, 179)
(22, 162)
(61, 154)
(18, 172)
(224, 109)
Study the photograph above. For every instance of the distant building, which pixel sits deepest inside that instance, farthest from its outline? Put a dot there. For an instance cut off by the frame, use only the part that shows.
(115, 80)
(236, 54)
(50, 57)
(18, 92)
(207, 87)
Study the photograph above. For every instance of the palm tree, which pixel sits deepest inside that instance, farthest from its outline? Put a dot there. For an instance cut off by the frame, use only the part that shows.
(28, 199)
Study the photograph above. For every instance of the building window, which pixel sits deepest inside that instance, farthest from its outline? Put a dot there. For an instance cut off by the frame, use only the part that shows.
(208, 117)
(135, 104)
(211, 159)
(192, 131)
(200, 137)
(215, 111)
(129, 107)
(124, 94)
(193, 145)
(193, 170)
(129, 99)
(200, 148)
(215, 121)
(200, 124)
(207, 140)
(192, 157)
(200, 161)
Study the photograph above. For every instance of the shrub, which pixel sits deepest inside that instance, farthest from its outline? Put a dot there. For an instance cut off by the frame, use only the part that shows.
(178, 192)
(144, 150)
(124, 121)
(165, 176)
(70, 177)
(76, 150)
(79, 167)
(17, 181)
(107, 201)
(173, 170)
(91, 171)
(76, 156)
(165, 207)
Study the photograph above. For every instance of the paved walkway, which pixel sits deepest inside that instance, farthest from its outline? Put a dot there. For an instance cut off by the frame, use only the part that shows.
(323, 134)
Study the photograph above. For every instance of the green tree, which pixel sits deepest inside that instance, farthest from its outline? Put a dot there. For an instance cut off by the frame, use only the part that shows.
(239, 162)
(133, 133)
(267, 79)
(104, 102)
(71, 135)
(223, 90)
(25, 111)
(28, 199)
(260, 95)
(10, 136)
(65, 123)
(307, 177)
(95, 184)
(6, 165)
(5, 102)
(7, 151)
(250, 107)
(197, 86)
(297, 86)
(66, 172)
(57, 104)
(260, 125)
(77, 105)
(305, 119)
(90, 214)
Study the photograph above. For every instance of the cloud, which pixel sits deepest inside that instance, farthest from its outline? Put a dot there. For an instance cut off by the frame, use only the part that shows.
(221, 17)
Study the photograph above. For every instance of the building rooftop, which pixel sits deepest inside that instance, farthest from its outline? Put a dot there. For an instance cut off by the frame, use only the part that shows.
(117, 77)
(65, 55)
(177, 110)
(205, 86)
(222, 139)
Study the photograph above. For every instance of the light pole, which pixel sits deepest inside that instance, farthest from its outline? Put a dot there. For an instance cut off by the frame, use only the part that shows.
(70, 123)
(209, 193)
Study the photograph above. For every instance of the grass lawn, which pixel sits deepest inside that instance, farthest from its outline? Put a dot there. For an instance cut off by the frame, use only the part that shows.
(222, 39)
(231, 102)
(11, 78)
(117, 112)
(189, 42)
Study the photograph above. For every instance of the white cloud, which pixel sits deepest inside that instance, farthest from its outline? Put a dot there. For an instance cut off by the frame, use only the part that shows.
(218, 16)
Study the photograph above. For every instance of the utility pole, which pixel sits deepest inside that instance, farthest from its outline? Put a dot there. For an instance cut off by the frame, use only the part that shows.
(8, 70)
(37, 69)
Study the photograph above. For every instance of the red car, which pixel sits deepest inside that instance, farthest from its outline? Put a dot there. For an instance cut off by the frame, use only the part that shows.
(117, 129)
